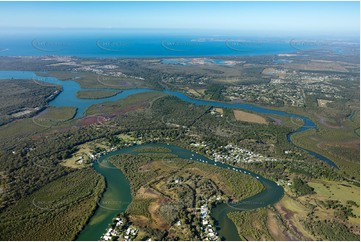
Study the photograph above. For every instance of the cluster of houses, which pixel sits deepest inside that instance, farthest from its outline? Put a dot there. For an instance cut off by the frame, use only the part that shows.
(203, 144)
(284, 182)
(130, 233)
(103, 70)
(82, 159)
(236, 155)
(94, 156)
(110, 235)
(214, 112)
(233, 154)
(117, 231)
(209, 232)
(98, 69)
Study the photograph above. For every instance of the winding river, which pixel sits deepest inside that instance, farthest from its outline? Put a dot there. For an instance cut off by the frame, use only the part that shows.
(68, 98)
(117, 195)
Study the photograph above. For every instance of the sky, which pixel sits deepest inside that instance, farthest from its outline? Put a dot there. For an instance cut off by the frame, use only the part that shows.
(341, 18)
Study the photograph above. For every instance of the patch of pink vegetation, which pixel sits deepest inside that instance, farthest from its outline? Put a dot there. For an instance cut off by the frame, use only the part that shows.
(324, 122)
(91, 120)
(276, 121)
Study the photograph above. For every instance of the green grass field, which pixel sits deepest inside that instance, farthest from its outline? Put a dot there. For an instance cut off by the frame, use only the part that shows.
(343, 192)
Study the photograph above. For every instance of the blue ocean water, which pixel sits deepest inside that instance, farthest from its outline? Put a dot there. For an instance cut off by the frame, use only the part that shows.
(141, 45)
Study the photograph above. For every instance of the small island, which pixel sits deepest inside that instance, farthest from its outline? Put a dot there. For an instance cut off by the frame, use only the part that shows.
(95, 94)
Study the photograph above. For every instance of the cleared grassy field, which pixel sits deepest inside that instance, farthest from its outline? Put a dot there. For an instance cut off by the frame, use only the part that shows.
(248, 117)
(219, 110)
(323, 103)
(343, 192)
(75, 160)
(326, 218)
(194, 92)
(126, 137)
(293, 211)
(95, 94)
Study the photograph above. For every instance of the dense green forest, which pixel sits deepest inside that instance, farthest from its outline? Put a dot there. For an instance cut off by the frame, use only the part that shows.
(57, 211)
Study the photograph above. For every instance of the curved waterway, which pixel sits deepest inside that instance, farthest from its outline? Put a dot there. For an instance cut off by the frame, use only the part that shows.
(68, 98)
(115, 199)
(117, 195)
